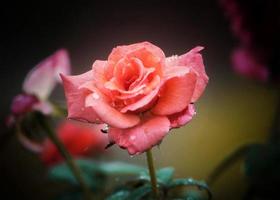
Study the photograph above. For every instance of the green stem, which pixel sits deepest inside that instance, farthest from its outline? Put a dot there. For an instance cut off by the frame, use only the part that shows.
(152, 172)
(58, 110)
(68, 159)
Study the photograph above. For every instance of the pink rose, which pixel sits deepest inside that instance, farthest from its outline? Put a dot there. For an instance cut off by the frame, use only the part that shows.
(138, 92)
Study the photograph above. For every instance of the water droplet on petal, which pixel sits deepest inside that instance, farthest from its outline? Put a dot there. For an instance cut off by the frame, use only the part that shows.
(132, 137)
(105, 129)
(95, 96)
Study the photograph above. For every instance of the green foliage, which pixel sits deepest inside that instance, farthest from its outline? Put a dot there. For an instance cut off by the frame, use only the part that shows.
(179, 189)
(120, 168)
(119, 195)
(94, 172)
(95, 175)
(192, 194)
(63, 173)
(261, 166)
(195, 195)
(263, 163)
(164, 175)
(140, 192)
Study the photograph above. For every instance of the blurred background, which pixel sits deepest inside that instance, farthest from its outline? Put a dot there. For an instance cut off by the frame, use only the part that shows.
(237, 108)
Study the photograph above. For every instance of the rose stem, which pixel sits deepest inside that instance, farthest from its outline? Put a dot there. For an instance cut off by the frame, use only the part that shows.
(68, 158)
(152, 172)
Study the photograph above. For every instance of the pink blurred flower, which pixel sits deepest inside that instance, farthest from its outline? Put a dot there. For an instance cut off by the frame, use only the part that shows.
(23, 103)
(247, 65)
(138, 92)
(39, 84)
(256, 27)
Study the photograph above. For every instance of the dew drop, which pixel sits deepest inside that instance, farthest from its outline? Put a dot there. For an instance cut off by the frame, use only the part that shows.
(190, 180)
(132, 137)
(105, 129)
(95, 96)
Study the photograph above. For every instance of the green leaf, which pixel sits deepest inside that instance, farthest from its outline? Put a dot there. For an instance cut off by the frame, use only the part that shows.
(63, 173)
(120, 168)
(191, 182)
(93, 172)
(131, 193)
(194, 195)
(139, 193)
(119, 195)
(164, 175)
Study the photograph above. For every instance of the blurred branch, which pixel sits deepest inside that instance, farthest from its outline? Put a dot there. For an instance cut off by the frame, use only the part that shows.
(275, 128)
(67, 156)
(227, 162)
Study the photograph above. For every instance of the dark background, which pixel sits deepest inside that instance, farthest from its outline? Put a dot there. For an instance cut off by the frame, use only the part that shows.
(89, 30)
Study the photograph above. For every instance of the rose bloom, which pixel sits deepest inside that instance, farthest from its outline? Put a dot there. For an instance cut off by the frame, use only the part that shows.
(138, 92)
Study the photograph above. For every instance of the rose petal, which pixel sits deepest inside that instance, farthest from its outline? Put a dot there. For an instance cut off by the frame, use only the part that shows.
(62, 64)
(99, 74)
(126, 71)
(176, 94)
(41, 80)
(75, 97)
(175, 71)
(108, 114)
(122, 51)
(111, 85)
(192, 59)
(143, 78)
(141, 137)
(152, 92)
(182, 118)
(149, 54)
(138, 86)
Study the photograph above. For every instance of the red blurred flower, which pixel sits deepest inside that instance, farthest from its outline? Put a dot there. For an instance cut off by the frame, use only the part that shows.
(80, 139)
